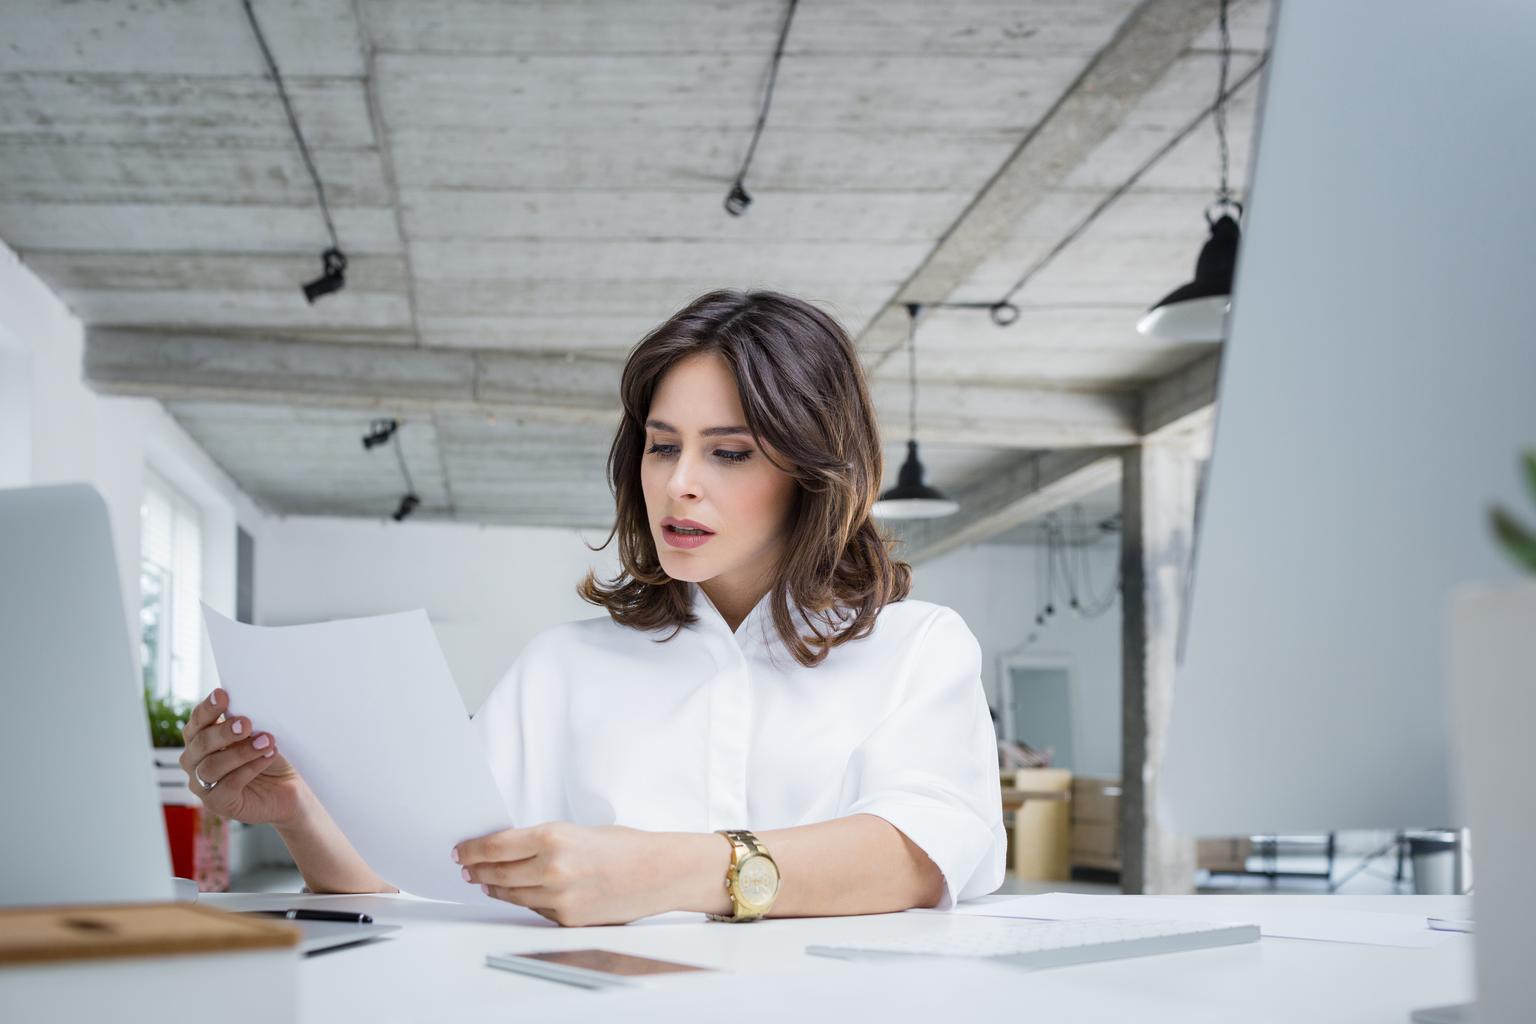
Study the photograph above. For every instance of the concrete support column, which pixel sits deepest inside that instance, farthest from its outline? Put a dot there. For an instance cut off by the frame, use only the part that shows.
(1158, 498)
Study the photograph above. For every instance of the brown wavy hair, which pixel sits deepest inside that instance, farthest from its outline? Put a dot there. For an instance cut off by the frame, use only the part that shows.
(803, 392)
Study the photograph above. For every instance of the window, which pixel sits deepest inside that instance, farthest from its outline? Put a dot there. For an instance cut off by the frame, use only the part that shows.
(1037, 700)
(170, 588)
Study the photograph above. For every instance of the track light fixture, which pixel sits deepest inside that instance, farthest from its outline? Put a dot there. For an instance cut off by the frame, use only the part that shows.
(738, 199)
(408, 505)
(333, 279)
(379, 432)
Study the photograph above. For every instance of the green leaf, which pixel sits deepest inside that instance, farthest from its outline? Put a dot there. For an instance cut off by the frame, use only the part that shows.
(1518, 542)
(1530, 470)
(166, 720)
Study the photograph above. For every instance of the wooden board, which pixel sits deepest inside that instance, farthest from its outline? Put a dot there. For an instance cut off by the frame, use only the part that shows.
(42, 934)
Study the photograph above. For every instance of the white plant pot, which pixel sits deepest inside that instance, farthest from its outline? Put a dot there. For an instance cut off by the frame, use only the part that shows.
(169, 776)
(1493, 709)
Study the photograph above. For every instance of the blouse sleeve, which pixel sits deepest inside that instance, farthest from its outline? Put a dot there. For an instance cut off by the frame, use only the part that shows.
(930, 767)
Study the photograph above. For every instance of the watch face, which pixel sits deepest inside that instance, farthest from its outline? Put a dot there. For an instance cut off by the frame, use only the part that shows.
(757, 880)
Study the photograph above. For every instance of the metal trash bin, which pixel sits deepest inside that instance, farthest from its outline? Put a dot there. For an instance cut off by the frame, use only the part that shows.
(1435, 856)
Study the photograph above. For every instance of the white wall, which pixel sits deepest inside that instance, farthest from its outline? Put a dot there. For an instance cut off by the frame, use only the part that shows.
(54, 429)
(487, 590)
(993, 587)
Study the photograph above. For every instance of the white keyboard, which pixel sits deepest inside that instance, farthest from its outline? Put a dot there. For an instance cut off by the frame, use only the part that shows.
(1055, 943)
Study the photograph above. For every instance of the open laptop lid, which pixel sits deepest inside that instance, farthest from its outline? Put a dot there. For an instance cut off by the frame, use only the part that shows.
(80, 805)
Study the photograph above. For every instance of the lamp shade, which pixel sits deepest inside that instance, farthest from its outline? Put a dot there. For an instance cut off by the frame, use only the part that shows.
(1198, 310)
(911, 498)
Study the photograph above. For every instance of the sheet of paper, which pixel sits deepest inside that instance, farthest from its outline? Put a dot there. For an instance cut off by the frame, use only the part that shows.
(1274, 921)
(368, 713)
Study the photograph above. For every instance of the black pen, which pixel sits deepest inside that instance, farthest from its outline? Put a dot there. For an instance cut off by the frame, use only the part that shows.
(316, 915)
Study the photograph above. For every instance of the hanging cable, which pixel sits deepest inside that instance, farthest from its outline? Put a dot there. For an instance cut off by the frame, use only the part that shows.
(913, 312)
(737, 200)
(1073, 570)
(1098, 605)
(333, 260)
(1219, 111)
(1039, 591)
(1004, 311)
(410, 486)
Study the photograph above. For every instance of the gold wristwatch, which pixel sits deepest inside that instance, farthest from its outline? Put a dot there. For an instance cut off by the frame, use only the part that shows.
(752, 879)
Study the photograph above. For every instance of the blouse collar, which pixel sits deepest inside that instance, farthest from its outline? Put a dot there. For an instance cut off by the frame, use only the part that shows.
(757, 630)
(752, 628)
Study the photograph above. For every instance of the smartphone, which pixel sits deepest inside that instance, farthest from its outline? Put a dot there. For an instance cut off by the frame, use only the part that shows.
(589, 968)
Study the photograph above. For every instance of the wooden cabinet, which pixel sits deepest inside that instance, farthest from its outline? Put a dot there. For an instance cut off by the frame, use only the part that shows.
(1096, 824)
(1040, 840)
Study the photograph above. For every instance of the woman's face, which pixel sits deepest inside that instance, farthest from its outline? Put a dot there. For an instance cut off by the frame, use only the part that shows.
(702, 469)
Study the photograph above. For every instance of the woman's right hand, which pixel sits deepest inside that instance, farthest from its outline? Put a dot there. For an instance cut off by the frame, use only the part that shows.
(252, 782)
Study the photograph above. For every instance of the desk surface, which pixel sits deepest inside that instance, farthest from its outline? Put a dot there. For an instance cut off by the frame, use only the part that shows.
(434, 970)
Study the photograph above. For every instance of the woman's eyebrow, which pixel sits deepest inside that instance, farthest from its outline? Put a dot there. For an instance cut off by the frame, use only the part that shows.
(706, 432)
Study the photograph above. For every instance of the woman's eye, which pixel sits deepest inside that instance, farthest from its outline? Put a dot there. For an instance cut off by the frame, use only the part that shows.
(725, 454)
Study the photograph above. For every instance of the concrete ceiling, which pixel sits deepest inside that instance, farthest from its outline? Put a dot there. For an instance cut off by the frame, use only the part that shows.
(523, 189)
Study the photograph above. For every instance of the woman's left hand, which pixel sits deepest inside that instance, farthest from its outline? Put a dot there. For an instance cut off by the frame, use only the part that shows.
(571, 874)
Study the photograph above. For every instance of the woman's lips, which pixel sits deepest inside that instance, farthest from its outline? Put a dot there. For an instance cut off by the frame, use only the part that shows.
(683, 540)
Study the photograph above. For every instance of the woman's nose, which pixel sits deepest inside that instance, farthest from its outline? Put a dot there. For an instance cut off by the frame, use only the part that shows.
(683, 483)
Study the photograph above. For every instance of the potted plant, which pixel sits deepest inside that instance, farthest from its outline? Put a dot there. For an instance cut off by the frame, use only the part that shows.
(198, 838)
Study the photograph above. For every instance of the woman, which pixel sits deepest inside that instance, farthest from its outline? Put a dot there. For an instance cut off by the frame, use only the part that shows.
(759, 668)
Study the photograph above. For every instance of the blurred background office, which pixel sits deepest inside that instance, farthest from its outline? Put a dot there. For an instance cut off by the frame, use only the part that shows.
(329, 300)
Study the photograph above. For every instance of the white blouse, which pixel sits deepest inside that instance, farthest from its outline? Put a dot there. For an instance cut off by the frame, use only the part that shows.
(598, 724)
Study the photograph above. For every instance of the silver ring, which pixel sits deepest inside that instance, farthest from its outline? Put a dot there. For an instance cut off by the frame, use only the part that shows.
(206, 785)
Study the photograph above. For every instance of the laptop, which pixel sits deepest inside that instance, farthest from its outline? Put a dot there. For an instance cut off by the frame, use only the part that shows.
(82, 806)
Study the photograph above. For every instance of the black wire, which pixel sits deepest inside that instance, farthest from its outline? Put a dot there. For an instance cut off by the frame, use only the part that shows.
(913, 312)
(1100, 604)
(773, 76)
(1078, 578)
(293, 123)
(410, 487)
(1219, 114)
(1063, 557)
(1039, 593)
(1050, 570)
(1082, 226)
(1128, 184)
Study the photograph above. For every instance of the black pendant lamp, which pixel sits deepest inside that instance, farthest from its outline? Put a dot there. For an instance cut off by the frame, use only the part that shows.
(1198, 310)
(911, 498)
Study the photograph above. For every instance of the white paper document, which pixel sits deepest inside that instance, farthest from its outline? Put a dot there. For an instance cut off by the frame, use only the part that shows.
(367, 712)
(1274, 921)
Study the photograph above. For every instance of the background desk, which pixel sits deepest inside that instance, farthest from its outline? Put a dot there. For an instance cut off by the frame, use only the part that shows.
(434, 970)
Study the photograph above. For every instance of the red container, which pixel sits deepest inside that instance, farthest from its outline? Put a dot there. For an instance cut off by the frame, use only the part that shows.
(199, 846)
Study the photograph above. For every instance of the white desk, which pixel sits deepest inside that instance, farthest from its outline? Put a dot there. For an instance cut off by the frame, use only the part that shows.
(434, 970)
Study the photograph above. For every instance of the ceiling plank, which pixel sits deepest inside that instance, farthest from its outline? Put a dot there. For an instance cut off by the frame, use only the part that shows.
(542, 388)
(1184, 400)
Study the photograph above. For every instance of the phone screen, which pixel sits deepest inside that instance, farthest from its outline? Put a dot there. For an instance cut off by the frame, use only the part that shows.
(609, 962)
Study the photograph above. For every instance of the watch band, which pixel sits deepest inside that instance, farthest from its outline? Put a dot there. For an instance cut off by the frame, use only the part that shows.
(743, 845)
